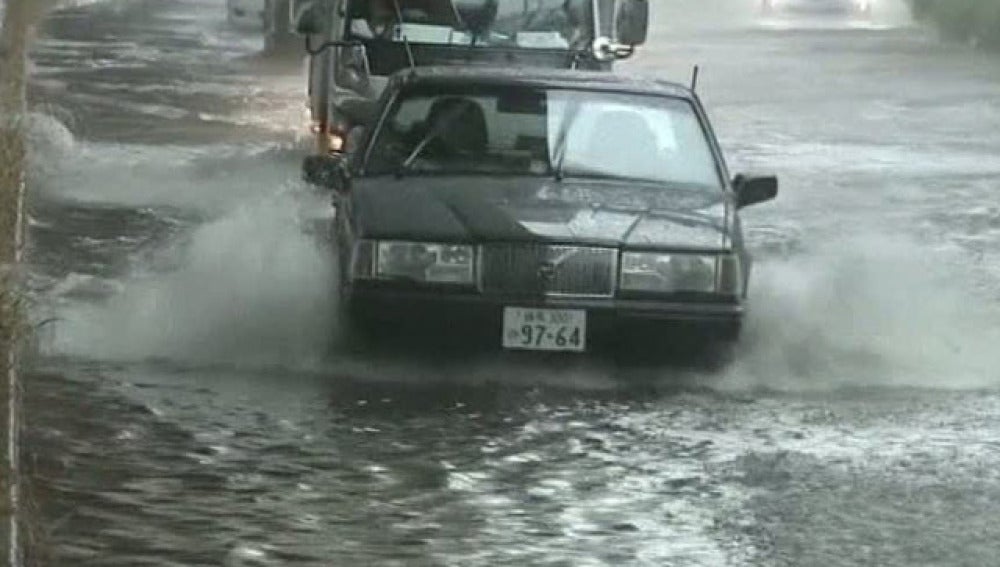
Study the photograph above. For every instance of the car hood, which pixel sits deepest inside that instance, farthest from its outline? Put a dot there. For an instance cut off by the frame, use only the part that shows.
(473, 209)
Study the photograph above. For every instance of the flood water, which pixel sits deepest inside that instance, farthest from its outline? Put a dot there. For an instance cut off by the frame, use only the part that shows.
(186, 407)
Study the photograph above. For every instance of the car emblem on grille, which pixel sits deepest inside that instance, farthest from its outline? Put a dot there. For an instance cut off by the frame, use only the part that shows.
(547, 270)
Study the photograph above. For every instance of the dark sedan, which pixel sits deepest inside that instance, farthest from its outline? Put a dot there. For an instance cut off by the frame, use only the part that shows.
(544, 210)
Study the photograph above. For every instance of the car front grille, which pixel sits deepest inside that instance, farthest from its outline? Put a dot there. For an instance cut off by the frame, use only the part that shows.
(548, 270)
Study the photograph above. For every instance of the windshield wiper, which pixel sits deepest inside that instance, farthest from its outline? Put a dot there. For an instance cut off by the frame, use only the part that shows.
(559, 148)
(436, 130)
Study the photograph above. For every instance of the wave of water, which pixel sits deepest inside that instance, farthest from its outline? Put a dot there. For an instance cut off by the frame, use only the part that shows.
(869, 310)
(253, 287)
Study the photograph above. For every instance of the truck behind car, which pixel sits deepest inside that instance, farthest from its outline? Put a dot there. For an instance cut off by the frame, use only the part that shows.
(356, 45)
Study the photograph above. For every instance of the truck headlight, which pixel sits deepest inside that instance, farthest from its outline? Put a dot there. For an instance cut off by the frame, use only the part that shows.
(425, 262)
(681, 272)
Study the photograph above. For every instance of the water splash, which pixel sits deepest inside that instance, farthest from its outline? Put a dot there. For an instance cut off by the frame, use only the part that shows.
(868, 311)
(253, 287)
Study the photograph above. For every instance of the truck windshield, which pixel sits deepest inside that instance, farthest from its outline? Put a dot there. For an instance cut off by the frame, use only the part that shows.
(527, 24)
(546, 132)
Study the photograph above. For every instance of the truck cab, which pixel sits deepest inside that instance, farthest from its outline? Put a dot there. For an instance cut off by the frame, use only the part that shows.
(354, 46)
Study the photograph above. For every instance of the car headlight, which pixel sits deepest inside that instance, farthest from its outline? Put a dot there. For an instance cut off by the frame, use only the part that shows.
(425, 262)
(681, 272)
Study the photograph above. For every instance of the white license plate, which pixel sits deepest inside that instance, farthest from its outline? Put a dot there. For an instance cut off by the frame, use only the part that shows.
(545, 329)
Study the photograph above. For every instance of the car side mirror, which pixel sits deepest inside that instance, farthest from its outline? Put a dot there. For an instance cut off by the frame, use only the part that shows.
(753, 189)
(312, 18)
(632, 22)
(328, 171)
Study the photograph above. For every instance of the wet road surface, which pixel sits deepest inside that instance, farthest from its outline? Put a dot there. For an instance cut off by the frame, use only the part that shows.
(186, 409)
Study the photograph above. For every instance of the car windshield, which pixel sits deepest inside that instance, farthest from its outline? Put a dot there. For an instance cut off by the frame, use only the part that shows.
(545, 132)
(527, 24)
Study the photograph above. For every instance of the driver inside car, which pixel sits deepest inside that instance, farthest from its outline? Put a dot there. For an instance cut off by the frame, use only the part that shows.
(569, 19)
(377, 19)
(457, 129)
(374, 19)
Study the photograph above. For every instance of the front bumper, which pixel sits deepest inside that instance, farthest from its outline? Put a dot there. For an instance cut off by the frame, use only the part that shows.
(447, 317)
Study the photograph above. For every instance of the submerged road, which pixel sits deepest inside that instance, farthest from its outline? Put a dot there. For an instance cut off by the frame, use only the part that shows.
(185, 408)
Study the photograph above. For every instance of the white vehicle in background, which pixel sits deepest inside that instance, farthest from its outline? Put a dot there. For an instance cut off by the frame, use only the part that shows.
(247, 14)
(355, 46)
(840, 8)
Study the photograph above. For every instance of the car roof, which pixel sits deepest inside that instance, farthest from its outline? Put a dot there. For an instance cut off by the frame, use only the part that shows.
(537, 77)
